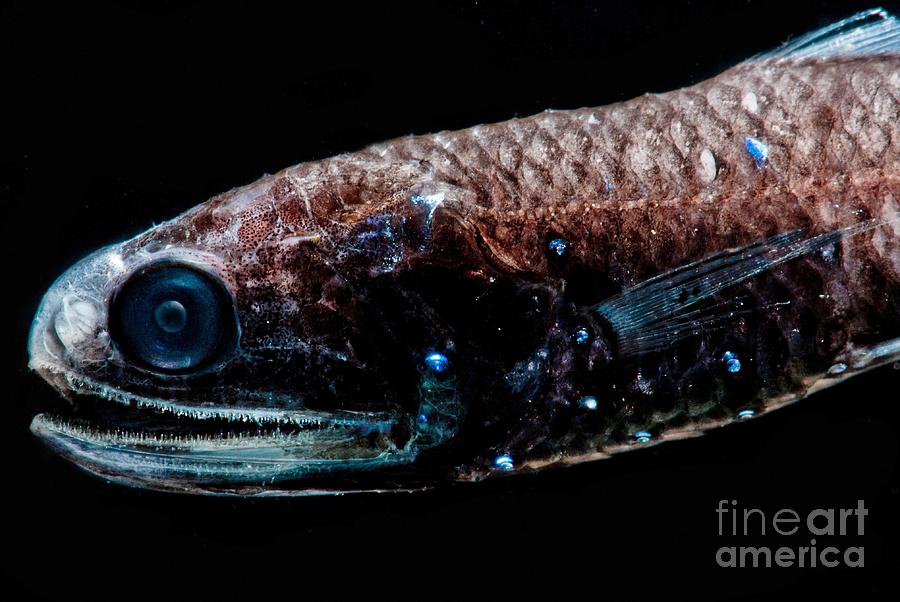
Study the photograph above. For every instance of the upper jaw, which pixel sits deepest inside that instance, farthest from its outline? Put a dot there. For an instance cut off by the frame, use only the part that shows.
(85, 386)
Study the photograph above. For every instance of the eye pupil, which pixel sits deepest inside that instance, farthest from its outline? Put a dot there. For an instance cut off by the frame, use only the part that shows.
(171, 316)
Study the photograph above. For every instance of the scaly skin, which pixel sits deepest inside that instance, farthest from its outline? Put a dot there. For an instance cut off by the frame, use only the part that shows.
(832, 128)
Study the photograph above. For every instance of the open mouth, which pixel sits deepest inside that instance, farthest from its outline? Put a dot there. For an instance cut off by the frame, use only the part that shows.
(154, 443)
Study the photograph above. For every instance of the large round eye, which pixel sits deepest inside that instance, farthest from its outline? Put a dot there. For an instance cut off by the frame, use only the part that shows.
(173, 318)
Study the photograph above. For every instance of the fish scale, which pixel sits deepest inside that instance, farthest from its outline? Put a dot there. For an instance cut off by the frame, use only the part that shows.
(558, 161)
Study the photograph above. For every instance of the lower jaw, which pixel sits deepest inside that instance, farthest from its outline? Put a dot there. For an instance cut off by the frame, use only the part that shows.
(236, 463)
(157, 445)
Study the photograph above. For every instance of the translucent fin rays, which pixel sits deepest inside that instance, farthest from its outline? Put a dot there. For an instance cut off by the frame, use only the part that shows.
(656, 312)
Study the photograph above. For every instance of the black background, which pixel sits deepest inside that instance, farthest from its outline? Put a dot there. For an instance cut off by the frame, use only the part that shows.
(119, 116)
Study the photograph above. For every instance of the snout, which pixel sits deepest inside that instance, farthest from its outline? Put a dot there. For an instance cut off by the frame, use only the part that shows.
(69, 327)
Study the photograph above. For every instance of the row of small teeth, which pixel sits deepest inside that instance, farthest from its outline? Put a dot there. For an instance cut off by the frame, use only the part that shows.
(126, 437)
(82, 385)
(231, 416)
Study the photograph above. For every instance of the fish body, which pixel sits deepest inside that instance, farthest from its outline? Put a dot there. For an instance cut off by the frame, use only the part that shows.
(541, 291)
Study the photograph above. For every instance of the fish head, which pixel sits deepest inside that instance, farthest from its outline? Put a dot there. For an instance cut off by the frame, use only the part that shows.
(244, 347)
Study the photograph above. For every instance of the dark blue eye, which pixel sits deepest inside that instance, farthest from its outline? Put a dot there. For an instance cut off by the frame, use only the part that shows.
(173, 318)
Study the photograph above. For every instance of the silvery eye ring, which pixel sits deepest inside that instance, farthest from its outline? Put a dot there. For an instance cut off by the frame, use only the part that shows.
(172, 317)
